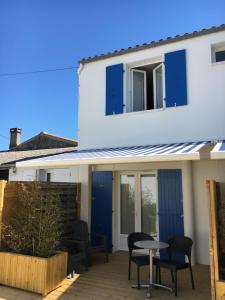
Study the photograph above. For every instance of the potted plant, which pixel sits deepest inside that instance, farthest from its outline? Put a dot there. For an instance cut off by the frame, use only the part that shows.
(28, 259)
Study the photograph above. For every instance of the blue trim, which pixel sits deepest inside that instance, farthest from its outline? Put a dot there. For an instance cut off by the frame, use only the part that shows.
(175, 78)
(114, 89)
(170, 206)
(101, 208)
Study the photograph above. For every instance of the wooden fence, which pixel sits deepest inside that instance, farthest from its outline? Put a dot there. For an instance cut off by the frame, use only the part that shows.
(69, 194)
(216, 239)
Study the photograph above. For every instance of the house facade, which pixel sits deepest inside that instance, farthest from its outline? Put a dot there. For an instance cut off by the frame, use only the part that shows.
(151, 130)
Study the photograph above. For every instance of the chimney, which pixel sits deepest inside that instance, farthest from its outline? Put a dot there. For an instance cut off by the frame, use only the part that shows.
(14, 137)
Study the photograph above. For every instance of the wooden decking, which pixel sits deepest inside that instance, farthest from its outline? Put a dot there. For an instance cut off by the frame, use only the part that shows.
(109, 281)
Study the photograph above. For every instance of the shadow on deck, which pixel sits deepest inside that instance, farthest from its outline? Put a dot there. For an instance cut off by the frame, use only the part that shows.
(109, 281)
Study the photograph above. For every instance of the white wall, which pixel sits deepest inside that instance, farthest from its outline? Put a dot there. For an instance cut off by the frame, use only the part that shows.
(22, 174)
(202, 171)
(193, 122)
(57, 175)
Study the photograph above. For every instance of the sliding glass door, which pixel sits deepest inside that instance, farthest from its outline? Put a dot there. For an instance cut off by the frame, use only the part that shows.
(138, 205)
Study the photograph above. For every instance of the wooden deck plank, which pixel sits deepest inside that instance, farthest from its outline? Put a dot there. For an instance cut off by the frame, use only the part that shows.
(109, 282)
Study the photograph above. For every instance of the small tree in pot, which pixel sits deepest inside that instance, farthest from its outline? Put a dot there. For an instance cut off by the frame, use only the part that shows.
(33, 230)
(34, 227)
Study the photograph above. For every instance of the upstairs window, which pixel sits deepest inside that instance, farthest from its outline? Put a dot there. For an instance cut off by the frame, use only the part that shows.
(146, 88)
(218, 52)
(220, 55)
(133, 88)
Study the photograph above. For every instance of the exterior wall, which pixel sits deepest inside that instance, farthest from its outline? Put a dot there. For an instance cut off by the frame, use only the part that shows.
(57, 175)
(203, 170)
(22, 174)
(193, 122)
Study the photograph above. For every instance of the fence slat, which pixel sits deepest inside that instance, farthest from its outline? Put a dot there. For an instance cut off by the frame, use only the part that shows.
(69, 194)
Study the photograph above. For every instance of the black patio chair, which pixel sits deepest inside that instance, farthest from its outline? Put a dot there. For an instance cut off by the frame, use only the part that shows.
(139, 260)
(76, 254)
(80, 233)
(180, 245)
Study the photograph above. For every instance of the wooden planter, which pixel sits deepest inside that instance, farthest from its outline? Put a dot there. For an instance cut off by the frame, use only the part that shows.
(35, 274)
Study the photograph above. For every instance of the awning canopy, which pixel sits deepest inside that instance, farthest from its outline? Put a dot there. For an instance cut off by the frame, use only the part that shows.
(150, 153)
(218, 152)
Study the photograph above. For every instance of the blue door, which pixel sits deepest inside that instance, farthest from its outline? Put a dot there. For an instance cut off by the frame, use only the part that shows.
(170, 205)
(101, 208)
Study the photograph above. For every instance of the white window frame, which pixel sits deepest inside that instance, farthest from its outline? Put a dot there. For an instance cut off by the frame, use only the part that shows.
(128, 106)
(163, 85)
(137, 202)
(132, 88)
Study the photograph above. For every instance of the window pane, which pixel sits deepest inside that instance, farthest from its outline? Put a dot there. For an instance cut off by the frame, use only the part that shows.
(127, 185)
(220, 56)
(138, 91)
(148, 205)
(159, 87)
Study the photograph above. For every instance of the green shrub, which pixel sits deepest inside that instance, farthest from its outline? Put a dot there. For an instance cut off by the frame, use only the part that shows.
(34, 227)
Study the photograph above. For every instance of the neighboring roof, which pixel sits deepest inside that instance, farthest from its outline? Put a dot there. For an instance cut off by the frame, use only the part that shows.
(169, 152)
(153, 44)
(9, 158)
(218, 152)
(45, 140)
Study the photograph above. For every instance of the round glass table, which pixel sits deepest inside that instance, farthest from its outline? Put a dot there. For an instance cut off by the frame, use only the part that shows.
(152, 246)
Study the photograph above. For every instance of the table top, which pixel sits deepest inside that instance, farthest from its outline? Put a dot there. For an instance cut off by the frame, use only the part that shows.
(151, 245)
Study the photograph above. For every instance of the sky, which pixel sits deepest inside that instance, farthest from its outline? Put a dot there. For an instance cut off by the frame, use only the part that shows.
(54, 34)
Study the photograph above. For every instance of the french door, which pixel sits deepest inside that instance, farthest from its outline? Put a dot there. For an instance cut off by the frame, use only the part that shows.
(138, 205)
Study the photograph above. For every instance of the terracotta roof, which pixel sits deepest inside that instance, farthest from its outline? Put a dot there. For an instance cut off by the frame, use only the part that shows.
(152, 44)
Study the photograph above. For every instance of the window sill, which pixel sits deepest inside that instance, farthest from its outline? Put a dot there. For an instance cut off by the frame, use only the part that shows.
(147, 111)
(133, 113)
(218, 63)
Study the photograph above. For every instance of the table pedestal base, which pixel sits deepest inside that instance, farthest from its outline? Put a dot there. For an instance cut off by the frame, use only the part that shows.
(151, 286)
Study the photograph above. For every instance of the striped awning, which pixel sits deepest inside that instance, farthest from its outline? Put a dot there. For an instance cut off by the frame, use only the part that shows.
(149, 153)
(218, 152)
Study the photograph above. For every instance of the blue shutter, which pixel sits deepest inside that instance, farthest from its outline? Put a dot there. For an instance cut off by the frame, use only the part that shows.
(170, 205)
(101, 208)
(175, 78)
(114, 89)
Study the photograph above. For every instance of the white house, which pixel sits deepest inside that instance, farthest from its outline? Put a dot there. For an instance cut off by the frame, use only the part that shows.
(151, 131)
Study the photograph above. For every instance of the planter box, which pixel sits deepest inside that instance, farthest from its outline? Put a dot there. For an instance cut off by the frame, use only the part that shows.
(35, 274)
